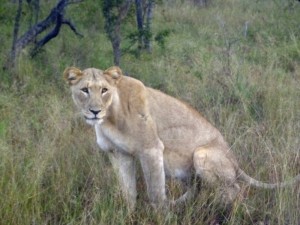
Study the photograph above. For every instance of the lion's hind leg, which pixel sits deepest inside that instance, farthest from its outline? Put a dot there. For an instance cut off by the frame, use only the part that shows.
(215, 169)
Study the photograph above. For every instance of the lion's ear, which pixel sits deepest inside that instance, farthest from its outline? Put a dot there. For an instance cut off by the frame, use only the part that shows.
(115, 72)
(72, 75)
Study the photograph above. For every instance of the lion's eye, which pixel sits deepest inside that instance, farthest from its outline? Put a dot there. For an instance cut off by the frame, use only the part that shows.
(85, 90)
(104, 90)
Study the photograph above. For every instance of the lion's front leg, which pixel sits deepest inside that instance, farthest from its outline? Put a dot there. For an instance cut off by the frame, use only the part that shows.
(124, 166)
(153, 169)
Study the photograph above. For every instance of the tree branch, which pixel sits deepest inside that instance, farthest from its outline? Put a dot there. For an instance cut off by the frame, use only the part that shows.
(49, 36)
(72, 27)
(55, 17)
(60, 20)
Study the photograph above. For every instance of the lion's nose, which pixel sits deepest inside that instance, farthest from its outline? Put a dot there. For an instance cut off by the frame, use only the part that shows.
(95, 112)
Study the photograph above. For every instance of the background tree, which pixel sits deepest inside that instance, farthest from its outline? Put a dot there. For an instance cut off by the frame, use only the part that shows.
(144, 14)
(34, 6)
(16, 30)
(140, 22)
(115, 11)
(149, 16)
(200, 2)
(56, 17)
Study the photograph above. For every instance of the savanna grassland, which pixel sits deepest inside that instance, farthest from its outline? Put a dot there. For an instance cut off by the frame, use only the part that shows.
(236, 61)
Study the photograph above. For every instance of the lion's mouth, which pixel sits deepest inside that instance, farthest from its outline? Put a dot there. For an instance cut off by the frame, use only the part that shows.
(93, 118)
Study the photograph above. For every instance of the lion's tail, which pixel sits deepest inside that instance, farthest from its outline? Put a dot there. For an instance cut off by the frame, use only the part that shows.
(255, 183)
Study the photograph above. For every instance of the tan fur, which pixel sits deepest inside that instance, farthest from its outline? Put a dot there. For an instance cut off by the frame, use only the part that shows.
(168, 137)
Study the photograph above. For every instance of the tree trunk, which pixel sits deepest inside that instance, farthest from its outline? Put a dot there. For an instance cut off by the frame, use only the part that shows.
(200, 3)
(148, 33)
(113, 23)
(139, 20)
(34, 6)
(16, 32)
(116, 42)
(116, 52)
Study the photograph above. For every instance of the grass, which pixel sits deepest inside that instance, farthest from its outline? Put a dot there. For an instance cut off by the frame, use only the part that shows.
(236, 61)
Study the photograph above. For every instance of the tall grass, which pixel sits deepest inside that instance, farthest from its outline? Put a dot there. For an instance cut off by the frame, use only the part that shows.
(236, 61)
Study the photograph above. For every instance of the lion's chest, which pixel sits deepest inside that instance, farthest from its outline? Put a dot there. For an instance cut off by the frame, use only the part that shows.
(102, 141)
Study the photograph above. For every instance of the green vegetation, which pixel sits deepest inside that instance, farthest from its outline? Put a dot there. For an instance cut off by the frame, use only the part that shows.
(236, 61)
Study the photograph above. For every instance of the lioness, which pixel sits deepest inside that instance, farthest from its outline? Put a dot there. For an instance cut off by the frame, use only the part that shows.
(168, 137)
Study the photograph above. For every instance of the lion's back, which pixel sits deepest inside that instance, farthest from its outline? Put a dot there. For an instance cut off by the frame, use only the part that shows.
(177, 122)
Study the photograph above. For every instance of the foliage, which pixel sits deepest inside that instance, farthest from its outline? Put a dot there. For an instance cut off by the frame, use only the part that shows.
(236, 61)
(111, 13)
(160, 38)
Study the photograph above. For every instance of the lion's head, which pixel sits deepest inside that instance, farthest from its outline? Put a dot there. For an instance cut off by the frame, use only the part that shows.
(93, 91)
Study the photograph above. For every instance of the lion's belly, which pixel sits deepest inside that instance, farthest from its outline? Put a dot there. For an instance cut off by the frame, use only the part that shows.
(177, 165)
